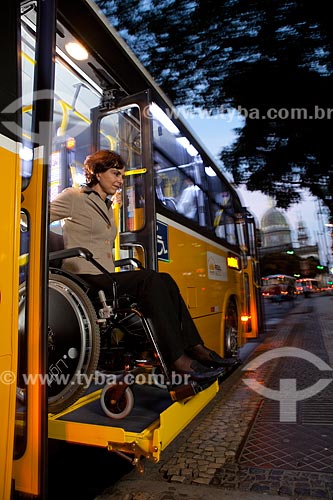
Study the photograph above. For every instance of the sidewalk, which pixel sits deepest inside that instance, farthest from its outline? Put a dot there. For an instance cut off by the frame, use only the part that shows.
(237, 448)
(130, 489)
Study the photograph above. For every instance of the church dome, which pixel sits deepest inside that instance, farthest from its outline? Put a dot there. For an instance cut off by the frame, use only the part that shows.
(275, 230)
(273, 218)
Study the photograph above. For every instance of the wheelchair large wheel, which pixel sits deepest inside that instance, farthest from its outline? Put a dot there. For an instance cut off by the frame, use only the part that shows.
(74, 342)
(113, 406)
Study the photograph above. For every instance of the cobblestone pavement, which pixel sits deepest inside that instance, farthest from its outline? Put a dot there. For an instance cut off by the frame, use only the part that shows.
(238, 447)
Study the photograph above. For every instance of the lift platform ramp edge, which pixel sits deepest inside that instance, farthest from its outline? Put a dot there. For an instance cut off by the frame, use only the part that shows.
(153, 424)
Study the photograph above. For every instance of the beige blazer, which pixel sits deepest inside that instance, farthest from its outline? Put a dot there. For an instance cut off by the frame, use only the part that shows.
(88, 223)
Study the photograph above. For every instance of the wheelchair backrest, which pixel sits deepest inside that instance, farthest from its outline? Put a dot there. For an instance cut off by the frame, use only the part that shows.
(56, 242)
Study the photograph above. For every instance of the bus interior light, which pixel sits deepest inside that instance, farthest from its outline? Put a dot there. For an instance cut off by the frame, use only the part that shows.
(210, 172)
(157, 113)
(77, 51)
(188, 146)
(245, 318)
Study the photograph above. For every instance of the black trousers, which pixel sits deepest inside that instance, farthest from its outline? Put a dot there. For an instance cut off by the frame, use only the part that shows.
(159, 299)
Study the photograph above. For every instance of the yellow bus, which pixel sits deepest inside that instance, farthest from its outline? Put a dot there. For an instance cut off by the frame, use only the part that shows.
(72, 86)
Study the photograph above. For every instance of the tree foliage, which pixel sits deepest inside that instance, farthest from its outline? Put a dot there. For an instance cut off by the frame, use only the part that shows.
(282, 263)
(271, 60)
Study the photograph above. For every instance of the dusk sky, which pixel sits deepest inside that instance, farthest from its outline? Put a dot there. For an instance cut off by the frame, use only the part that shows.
(217, 132)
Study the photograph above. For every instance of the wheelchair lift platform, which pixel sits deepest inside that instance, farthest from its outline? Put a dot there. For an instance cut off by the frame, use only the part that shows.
(153, 424)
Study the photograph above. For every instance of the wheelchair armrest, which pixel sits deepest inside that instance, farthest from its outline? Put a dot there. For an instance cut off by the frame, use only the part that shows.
(71, 252)
(86, 254)
(129, 261)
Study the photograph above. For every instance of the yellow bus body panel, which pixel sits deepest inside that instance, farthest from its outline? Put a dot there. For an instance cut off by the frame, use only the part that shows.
(26, 470)
(9, 280)
(194, 263)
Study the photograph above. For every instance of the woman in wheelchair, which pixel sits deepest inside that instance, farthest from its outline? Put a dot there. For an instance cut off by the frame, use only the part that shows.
(88, 222)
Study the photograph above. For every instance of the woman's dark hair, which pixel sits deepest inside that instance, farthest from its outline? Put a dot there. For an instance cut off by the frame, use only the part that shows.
(99, 162)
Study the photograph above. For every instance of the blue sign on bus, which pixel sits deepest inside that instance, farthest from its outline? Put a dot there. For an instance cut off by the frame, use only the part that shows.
(162, 242)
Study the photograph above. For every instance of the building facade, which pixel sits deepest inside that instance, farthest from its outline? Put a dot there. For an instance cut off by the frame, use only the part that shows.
(276, 236)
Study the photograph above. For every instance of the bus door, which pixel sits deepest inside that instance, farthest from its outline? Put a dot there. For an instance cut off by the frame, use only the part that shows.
(36, 24)
(251, 276)
(126, 129)
(9, 249)
(256, 304)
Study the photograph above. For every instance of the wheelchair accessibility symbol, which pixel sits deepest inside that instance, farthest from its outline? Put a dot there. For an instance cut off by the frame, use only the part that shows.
(288, 395)
(162, 241)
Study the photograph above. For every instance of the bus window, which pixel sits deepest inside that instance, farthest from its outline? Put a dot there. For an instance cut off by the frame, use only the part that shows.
(187, 203)
(28, 47)
(121, 132)
(242, 238)
(222, 211)
(185, 184)
(252, 235)
(74, 98)
(180, 180)
(163, 186)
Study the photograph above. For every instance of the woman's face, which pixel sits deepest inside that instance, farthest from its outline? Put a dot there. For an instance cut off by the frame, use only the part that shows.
(110, 181)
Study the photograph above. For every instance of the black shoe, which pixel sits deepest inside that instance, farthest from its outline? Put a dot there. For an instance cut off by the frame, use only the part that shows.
(201, 373)
(210, 358)
(215, 360)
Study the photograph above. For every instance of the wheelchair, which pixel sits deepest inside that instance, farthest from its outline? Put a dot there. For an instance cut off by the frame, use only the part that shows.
(91, 335)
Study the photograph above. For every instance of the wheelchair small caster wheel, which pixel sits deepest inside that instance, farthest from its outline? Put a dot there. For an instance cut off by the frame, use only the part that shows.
(112, 405)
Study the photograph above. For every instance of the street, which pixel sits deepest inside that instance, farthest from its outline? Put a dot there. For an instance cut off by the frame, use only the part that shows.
(242, 445)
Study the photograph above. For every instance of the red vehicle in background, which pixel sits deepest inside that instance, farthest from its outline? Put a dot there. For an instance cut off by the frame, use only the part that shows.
(307, 286)
(278, 287)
